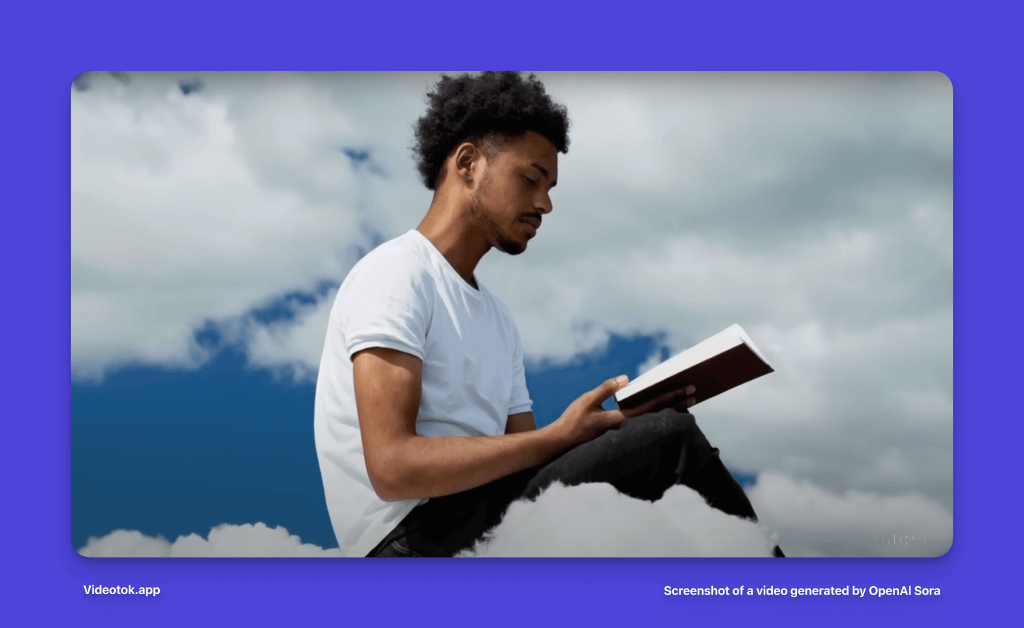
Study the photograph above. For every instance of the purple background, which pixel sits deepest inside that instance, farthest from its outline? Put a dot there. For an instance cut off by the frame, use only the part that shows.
(46, 48)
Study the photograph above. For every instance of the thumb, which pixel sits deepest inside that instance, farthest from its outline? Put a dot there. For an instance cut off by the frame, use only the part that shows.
(607, 389)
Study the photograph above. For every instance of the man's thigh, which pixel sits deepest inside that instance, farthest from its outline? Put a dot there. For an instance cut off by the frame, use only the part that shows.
(646, 456)
(640, 457)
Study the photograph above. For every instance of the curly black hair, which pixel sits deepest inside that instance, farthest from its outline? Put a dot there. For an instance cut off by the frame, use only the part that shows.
(488, 108)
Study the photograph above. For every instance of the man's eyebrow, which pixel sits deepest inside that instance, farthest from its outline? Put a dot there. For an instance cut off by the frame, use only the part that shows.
(544, 172)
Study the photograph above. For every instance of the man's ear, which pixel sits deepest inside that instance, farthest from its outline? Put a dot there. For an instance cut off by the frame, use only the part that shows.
(467, 161)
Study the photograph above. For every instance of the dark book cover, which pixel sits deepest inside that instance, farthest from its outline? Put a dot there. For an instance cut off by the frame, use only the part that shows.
(713, 376)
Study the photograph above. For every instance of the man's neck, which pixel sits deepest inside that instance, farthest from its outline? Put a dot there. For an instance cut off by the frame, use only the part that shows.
(449, 230)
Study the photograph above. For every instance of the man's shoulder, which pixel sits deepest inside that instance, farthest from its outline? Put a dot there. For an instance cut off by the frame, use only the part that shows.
(394, 259)
(389, 293)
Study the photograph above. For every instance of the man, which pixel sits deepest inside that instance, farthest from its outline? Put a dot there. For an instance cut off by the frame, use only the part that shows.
(423, 422)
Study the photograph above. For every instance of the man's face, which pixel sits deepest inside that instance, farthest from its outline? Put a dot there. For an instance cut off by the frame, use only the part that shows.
(514, 192)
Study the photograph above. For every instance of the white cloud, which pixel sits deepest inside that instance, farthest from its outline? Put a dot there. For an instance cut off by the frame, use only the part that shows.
(295, 345)
(588, 337)
(597, 520)
(863, 409)
(248, 540)
(585, 520)
(654, 359)
(183, 210)
(811, 521)
(802, 518)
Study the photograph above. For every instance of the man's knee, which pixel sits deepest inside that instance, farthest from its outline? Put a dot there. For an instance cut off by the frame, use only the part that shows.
(668, 428)
(664, 422)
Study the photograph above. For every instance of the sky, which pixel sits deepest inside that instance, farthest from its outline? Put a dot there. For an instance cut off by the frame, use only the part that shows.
(214, 215)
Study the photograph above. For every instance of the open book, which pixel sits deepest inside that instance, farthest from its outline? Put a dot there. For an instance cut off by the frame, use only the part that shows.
(721, 362)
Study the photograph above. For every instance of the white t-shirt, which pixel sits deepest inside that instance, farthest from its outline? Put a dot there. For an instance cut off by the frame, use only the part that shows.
(404, 295)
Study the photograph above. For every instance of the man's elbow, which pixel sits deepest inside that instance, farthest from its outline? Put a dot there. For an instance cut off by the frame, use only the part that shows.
(390, 481)
(386, 490)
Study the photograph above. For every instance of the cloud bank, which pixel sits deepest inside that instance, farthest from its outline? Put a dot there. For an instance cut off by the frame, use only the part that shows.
(194, 208)
(248, 540)
(597, 520)
(811, 521)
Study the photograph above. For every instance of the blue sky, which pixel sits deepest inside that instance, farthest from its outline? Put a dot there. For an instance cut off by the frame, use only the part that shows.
(214, 214)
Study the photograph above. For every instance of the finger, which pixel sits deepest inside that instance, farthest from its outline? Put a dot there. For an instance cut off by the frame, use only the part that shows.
(597, 396)
(684, 405)
(666, 399)
(613, 418)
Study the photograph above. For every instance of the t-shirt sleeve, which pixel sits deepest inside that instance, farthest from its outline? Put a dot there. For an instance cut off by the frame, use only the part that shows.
(387, 305)
(520, 400)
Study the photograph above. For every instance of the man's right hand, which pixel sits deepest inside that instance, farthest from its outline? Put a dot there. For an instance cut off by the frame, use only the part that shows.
(585, 419)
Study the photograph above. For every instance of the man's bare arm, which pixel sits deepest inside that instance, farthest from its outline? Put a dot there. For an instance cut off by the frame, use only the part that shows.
(404, 465)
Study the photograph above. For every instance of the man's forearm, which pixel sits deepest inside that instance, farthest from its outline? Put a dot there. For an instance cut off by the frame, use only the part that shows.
(419, 467)
(403, 465)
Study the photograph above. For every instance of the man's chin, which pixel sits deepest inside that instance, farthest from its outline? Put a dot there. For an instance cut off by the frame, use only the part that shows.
(511, 247)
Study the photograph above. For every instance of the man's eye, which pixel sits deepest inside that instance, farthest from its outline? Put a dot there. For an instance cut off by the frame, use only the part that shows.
(529, 180)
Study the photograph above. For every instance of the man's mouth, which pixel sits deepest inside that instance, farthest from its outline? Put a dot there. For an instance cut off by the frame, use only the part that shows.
(533, 220)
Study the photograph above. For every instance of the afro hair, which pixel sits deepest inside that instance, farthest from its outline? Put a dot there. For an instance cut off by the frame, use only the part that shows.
(491, 106)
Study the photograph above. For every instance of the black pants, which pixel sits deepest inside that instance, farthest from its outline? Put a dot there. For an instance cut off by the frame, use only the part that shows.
(642, 458)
